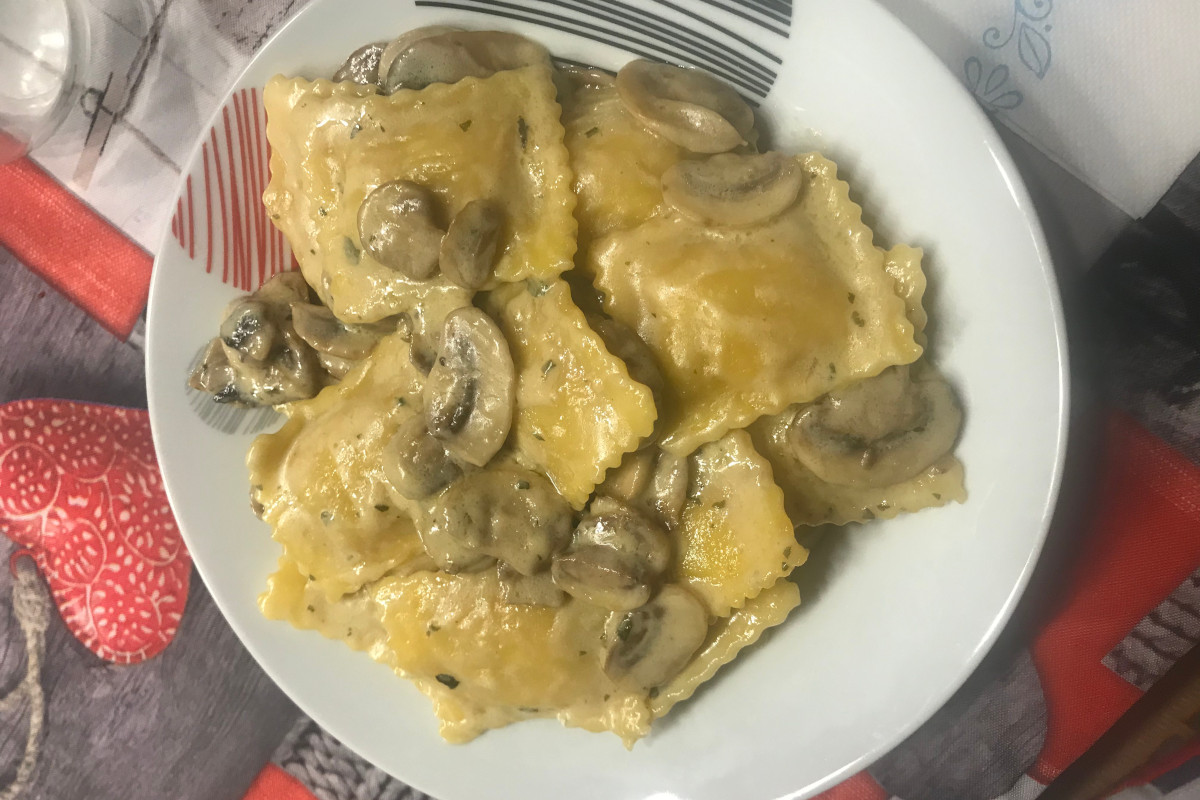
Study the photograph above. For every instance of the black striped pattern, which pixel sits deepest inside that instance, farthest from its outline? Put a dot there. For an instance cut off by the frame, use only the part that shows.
(702, 42)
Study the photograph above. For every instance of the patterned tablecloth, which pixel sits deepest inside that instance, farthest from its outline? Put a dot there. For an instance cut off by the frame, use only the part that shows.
(119, 678)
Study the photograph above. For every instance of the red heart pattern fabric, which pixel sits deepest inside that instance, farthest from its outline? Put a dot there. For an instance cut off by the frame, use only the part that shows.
(80, 488)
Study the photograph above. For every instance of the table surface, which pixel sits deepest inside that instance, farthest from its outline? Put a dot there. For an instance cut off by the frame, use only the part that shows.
(201, 720)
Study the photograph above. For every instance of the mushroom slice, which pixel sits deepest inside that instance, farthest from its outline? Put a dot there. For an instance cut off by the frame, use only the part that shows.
(362, 66)
(337, 368)
(468, 250)
(667, 492)
(470, 390)
(397, 225)
(451, 56)
(508, 513)
(616, 554)
(415, 463)
(686, 106)
(624, 343)
(880, 431)
(734, 189)
(528, 590)
(248, 328)
(631, 478)
(283, 289)
(650, 645)
(402, 43)
(325, 333)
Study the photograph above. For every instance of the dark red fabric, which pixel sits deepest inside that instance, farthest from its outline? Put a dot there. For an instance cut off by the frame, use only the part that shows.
(1145, 541)
(861, 787)
(275, 784)
(72, 247)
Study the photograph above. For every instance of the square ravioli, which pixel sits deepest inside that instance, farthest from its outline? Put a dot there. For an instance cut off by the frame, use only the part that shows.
(320, 478)
(735, 538)
(747, 321)
(497, 138)
(577, 409)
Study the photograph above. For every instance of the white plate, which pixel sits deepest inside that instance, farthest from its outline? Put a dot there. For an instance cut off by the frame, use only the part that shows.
(905, 610)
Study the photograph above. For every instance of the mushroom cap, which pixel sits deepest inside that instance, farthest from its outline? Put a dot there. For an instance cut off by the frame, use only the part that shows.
(650, 645)
(450, 56)
(361, 66)
(415, 463)
(686, 106)
(468, 251)
(880, 431)
(327, 334)
(470, 391)
(397, 224)
(734, 189)
(508, 513)
(402, 43)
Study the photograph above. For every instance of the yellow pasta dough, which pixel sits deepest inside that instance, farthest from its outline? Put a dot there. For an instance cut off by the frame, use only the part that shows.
(618, 164)
(748, 321)
(577, 409)
(735, 538)
(496, 138)
(726, 639)
(320, 477)
(485, 664)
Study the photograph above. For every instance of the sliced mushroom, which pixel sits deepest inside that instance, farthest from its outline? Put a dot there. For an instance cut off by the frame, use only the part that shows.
(880, 431)
(468, 250)
(415, 463)
(733, 189)
(686, 106)
(453, 55)
(327, 334)
(624, 343)
(651, 645)
(470, 390)
(362, 66)
(397, 224)
(337, 368)
(283, 289)
(627, 481)
(616, 556)
(405, 41)
(667, 492)
(449, 553)
(507, 513)
(528, 590)
(248, 328)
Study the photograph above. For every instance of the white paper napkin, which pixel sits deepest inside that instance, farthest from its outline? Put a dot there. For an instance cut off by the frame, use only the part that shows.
(1109, 90)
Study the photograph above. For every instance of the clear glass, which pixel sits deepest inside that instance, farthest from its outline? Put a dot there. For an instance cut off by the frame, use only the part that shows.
(43, 49)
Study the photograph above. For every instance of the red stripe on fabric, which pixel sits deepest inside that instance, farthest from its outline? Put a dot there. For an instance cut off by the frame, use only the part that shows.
(861, 787)
(72, 248)
(191, 221)
(1144, 541)
(275, 784)
(226, 266)
(179, 216)
(175, 227)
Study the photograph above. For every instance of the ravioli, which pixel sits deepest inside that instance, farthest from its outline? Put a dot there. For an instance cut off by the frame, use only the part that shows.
(903, 263)
(355, 619)
(726, 640)
(748, 321)
(577, 410)
(320, 479)
(735, 539)
(812, 501)
(497, 138)
(485, 664)
(618, 164)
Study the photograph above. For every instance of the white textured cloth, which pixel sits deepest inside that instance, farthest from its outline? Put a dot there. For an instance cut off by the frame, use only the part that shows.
(1111, 91)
